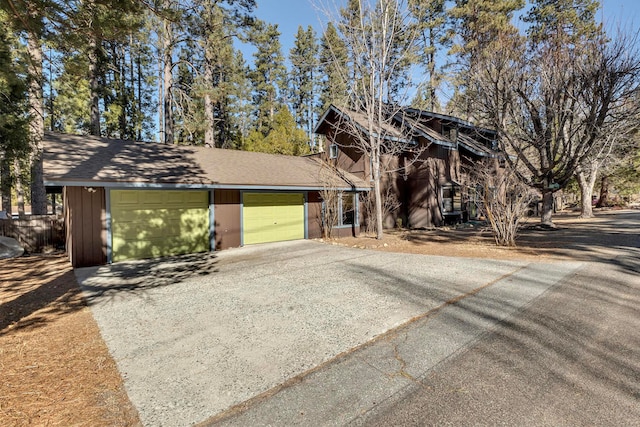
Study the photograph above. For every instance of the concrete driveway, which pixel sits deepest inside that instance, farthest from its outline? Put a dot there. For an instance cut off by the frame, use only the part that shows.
(195, 335)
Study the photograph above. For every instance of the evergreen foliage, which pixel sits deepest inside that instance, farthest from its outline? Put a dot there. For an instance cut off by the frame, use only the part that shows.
(284, 137)
(333, 53)
(171, 70)
(303, 80)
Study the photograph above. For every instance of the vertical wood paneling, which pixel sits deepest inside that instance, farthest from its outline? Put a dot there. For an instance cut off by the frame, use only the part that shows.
(227, 218)
(314, 215)
(86, 228)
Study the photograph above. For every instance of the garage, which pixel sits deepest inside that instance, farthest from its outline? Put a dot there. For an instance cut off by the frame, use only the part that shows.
(127, 200)
(272, 217)
(155, 223)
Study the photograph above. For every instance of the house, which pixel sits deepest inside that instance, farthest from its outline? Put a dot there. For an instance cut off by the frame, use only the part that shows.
(130, 200)
(426, 177)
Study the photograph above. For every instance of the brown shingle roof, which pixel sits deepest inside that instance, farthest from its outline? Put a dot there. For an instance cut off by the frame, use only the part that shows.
(89, 159)
(350, 121)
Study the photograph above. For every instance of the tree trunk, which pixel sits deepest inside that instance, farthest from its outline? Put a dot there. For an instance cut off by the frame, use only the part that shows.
(586, 181)
(5, 184)
(432, 72)
(377, 194)
(160, 102)
(209, 140)
(167, 46)
(546, 215)
(139, 78)
(36, 125)
(603, 200)
(586, 191)
(94, 87)
(19, 190)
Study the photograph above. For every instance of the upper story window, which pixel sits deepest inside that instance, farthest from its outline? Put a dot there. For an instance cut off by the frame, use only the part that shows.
(333, 151)
(451, 133)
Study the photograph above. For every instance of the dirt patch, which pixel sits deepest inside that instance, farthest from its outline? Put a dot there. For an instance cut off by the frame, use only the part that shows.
(573, 238)
(56, 369)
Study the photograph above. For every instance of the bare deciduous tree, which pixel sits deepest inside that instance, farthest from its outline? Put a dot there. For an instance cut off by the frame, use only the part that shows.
(330, 195)
(618, 144)
(554, 105)
(390, 204)
(505, 199)
(381, 43)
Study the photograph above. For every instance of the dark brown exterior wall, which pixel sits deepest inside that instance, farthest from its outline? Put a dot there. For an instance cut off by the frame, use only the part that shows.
(424, 180)
(350, 159)
(417, 189)
(227, 218)
(314, 215)
(85, 222)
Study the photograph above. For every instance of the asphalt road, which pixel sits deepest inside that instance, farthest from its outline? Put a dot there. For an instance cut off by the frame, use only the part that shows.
(570, 359)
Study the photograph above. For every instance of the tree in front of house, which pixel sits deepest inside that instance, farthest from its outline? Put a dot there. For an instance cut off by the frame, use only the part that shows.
(505, 199)
(553, 99)
(380, 40)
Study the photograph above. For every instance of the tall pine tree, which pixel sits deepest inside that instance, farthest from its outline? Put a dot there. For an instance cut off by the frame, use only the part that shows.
(480, 26)
(431, 20)
(14, 137)
(333, 57)
(268, 76)
(303, 78)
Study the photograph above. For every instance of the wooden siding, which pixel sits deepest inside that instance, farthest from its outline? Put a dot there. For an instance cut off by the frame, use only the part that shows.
(352, 160)
(424, 179)
(314, 219)
(314, 215)
(227, 218)
(85, 223)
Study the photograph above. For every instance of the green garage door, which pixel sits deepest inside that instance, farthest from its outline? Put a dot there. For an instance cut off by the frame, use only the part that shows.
(155, 223)
(272, 217)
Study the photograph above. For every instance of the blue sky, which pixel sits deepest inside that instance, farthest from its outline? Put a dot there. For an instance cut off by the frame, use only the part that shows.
(289, 14)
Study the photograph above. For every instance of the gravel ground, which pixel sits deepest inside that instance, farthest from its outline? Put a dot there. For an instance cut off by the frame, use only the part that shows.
(195, 335)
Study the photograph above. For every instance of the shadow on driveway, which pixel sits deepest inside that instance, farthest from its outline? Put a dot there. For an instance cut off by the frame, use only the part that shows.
(101, 284)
